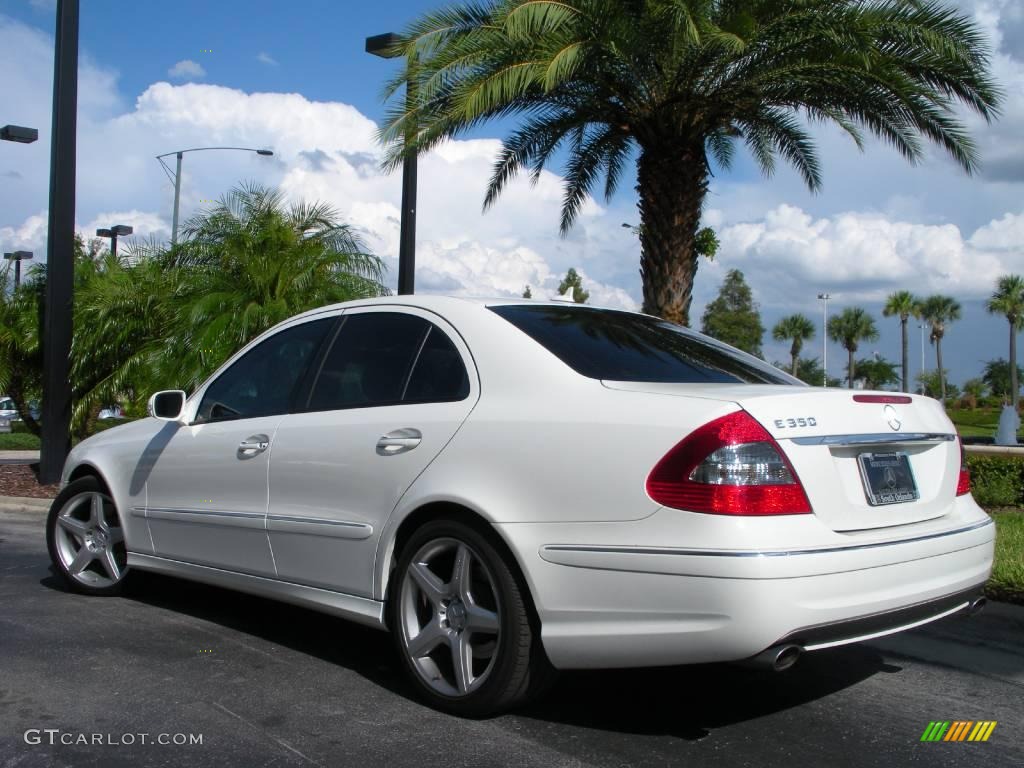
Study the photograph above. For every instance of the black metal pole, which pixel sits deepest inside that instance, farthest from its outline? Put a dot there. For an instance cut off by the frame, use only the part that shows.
(407, 243)
(60, 249)
(113, 244)
(407, 239)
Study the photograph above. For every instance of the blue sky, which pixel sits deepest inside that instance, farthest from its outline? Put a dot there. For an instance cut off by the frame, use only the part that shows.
(294, 76)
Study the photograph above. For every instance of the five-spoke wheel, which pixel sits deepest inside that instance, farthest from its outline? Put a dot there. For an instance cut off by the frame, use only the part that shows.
(85, 538)
(460, 620)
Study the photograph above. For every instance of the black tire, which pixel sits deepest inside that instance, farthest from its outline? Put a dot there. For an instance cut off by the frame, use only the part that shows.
(519, 663)
(86, 485)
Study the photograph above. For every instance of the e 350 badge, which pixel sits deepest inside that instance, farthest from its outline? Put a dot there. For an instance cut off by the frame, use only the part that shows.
(808, 421)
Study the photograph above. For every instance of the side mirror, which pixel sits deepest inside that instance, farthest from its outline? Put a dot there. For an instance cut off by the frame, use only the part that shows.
(166, 405)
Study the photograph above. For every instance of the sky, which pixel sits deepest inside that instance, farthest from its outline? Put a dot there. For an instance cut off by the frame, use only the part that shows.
(294, 77)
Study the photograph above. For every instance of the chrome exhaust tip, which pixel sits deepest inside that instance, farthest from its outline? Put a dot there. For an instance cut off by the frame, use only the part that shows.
(977, 605)
(778, 658)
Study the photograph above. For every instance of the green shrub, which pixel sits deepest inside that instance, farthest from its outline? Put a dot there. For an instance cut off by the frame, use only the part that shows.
(997, 481)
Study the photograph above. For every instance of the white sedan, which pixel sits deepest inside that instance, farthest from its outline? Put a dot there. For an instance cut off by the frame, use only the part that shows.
(513, 487)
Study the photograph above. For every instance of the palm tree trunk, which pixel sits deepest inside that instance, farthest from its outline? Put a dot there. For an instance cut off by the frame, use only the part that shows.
(906, 354)
(672, 183)
(1013, 365)
(942, 375)
(850, 372)
(794, 353)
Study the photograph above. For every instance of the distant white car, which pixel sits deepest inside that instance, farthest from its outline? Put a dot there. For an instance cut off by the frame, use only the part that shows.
(8, 412)
(514, 486)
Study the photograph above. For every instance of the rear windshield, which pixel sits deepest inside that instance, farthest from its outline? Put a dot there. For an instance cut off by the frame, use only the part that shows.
(623, 346)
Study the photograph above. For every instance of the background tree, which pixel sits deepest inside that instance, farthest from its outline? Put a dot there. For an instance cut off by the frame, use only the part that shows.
(527, 293)
(733, 317)
(932, 384)
(939, 311)
(877, 373)
(1008, 300)
(676, 86)
(809, 372)
(797, 329)
(573, 280)
(904, 305)
(974, 390)
(852, 326)
(998, 377)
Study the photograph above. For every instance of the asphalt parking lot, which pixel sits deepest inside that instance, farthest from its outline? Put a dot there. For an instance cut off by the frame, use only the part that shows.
(265, 684)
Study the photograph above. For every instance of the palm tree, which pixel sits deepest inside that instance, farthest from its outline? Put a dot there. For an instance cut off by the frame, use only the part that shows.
(798, 329)
(905, 305)
(938, 311)
(849, 328)
(675, 85)
(251, 262)
(1008, 300)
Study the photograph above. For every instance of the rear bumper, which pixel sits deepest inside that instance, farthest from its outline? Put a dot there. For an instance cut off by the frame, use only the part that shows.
(628, 605)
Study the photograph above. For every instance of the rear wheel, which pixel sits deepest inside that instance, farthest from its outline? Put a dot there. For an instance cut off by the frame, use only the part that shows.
(86, 540)
(461, 623)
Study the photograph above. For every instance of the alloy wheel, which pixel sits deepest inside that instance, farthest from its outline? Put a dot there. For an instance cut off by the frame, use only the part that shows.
(450, 616)
(89, 540)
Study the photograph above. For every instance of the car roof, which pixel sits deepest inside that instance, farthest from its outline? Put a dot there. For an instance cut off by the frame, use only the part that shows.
(440, 303)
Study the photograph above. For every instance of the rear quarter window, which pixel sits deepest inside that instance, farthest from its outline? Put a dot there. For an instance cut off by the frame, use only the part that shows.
(625, 346)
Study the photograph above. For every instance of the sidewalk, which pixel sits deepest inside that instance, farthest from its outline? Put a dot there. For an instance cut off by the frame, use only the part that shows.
(14, 504)
(19, 457)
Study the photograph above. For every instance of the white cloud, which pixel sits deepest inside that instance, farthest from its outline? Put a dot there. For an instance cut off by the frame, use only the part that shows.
(265, 58)
(186, 69)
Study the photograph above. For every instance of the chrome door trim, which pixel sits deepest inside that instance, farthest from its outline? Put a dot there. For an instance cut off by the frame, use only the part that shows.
(219, 517)
(878, 438)
(360, 609)
(317, 526)
(551, 549)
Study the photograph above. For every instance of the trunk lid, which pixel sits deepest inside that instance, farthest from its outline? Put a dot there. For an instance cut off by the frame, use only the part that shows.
(823, 432)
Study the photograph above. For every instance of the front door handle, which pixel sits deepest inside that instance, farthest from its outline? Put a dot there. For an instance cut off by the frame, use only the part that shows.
(399, 441)
(252, 446)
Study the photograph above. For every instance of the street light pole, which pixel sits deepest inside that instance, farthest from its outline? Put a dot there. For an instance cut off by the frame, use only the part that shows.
(17, 257)
(112, 233)
(387, 46)
(175, 176)
(824, 297)
(60, 246)
(177, 200)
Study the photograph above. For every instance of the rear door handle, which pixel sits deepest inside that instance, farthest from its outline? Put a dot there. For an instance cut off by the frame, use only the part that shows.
(399, 441)
(253, 445)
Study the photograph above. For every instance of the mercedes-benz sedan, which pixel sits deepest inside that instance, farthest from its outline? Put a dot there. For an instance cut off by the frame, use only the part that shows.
(512, 487)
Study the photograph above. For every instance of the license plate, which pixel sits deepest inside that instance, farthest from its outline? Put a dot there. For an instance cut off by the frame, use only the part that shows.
(888, 478)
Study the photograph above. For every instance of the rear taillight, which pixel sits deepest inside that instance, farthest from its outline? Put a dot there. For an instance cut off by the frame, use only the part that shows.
(730, 466)
(963, 483)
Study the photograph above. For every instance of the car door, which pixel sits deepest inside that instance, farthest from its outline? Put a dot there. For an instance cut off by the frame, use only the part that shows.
(393, 389)
(207, 488)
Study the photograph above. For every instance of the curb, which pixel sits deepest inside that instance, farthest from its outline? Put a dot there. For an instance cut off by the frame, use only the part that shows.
(24, 504)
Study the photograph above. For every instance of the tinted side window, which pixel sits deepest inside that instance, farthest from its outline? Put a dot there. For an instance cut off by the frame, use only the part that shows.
(622, 346)
(263, 381)
(369, 362)
(440, 374)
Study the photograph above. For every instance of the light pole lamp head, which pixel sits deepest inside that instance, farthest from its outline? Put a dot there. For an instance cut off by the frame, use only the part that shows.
(19, 133)
(121, 229)
(19, 255)
(387, 46)
(265, 152)
(104, 233)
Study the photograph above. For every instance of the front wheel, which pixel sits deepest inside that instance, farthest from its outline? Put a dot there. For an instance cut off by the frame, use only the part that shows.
(86, 540)
(460, 621)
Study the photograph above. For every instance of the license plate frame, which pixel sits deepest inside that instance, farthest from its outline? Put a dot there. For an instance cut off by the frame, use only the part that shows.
(888, 478)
